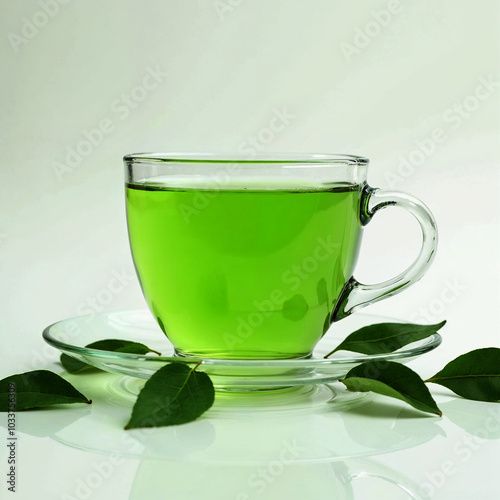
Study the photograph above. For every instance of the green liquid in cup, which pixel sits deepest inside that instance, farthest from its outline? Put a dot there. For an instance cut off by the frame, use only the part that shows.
(243, 273)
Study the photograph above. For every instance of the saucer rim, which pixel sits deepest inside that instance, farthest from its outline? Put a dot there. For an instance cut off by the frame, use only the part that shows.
(409, 351)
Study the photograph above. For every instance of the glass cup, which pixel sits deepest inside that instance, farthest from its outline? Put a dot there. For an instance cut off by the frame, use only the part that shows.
(253, 257)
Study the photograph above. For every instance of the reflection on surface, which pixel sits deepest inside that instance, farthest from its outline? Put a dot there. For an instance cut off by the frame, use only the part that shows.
(483, 424)
(326, 429)
(49, 421)
(256, 448)
(271, 481)
(395, 426)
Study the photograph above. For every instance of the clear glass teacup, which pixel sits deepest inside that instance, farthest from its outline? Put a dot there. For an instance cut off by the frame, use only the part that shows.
(253, 258)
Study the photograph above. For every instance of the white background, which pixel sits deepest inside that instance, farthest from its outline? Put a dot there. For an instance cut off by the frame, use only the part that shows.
(382, 79)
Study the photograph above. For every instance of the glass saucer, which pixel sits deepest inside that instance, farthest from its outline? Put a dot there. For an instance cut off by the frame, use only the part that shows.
(72, 335)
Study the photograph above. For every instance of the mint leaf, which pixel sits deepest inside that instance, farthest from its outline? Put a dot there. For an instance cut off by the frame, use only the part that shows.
(175, 394)
(37, 389)
(73, 365)
(474, 375)
(382, 338)
(394, 380)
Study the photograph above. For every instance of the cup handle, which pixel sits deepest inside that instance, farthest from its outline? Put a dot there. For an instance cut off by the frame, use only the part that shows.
(357, 295)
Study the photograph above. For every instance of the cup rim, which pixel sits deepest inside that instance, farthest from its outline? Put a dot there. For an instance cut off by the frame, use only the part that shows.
(263, 158)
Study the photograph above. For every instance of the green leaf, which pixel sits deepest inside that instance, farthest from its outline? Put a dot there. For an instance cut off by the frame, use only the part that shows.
(73, 365)
(474, 375)
(394, 380)
(37, 389)
(175, 394)
(382, 338)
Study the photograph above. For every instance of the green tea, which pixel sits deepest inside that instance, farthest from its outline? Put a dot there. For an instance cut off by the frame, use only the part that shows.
(243, 273)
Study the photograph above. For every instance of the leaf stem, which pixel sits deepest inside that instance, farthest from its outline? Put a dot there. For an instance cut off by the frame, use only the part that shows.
(330, 353)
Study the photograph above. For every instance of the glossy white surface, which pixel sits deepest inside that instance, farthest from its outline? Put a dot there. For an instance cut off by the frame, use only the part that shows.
(420, 98)
(375, 449)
